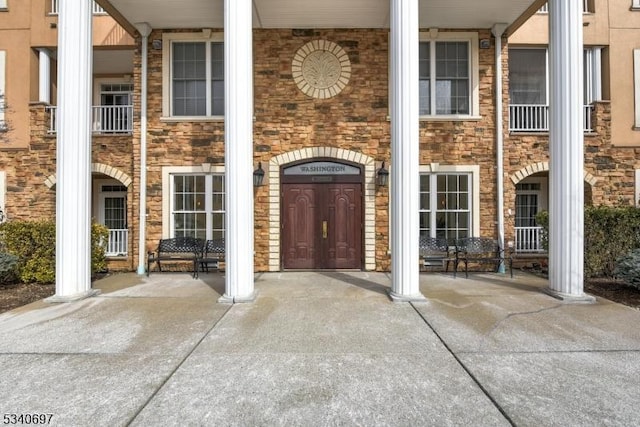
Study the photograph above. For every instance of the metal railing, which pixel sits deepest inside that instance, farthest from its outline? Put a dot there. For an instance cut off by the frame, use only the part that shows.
(105, 119)
(528, 239)
(535, 118)
(97, 9)
(585, 7)
(118, 242)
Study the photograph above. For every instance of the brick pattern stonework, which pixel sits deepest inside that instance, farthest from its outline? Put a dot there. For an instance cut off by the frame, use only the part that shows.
(287, 122)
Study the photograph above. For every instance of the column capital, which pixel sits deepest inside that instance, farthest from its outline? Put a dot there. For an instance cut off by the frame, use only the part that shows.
(143, 28)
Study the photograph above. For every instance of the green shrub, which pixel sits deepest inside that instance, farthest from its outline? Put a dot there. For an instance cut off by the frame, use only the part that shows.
(608, 233)
(628, 268)
(34, 243)
(8, 270)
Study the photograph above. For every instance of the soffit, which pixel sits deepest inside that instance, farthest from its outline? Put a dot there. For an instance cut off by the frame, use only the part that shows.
(171, 14)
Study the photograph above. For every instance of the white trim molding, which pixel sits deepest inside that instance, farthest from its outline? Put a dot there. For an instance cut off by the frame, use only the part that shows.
(323, 152)
(167, 172)
(167, 58)
(636, 87)
(474, 66)
(474, 170)
(3, 59)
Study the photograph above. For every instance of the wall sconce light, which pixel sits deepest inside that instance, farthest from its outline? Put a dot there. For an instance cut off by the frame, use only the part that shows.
(258, 176)
(2, 216)
(382, 176)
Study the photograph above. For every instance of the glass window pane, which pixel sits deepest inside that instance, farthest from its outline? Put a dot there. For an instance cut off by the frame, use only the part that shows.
(528, 76)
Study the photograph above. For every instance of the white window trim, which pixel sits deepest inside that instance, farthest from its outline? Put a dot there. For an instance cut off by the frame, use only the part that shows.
(635, 5)
(167, 172)
(636, 87)
(474, 170)
(97, 86)
(167, 87)
(3, 58)
(3, 193)
(637, 198)
(543, 192)
(3, 5)
(474, 76)
(99, 196)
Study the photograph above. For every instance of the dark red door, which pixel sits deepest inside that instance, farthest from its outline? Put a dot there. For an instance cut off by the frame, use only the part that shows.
(322, 226)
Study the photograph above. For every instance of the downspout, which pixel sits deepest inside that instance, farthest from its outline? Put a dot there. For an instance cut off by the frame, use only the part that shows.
(144, 29)
(497, 30)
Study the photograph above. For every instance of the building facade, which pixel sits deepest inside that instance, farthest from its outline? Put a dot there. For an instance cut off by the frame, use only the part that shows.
(321, 99)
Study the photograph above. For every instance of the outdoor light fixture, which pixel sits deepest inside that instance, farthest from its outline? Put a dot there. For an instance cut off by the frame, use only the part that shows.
(383, 176)
(2, 217)
(258, 176)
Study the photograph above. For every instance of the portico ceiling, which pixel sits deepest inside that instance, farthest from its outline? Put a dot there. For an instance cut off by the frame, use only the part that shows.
(168, 14)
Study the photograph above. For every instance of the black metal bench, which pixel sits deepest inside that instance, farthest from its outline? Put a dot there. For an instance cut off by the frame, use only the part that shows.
(176, 249)
(480, 250)
(435, 251)
(212, 254)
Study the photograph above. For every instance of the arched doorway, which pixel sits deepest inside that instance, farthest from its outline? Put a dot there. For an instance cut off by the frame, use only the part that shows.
(322, 212)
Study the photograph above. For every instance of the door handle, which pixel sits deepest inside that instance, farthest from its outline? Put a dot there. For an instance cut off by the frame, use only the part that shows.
(324, 229)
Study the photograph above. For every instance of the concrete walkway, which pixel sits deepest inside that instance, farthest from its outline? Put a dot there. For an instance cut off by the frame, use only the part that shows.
(322, 349)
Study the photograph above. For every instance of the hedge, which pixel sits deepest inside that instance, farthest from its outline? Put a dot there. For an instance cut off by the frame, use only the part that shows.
(609, 233)
(34, 243)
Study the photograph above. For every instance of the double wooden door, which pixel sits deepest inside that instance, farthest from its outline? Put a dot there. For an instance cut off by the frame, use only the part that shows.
(322, 226)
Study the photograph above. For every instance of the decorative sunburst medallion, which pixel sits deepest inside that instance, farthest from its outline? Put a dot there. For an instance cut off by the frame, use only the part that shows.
(321, 69)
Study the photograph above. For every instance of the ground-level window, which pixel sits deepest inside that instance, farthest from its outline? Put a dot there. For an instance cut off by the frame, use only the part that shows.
(197, 205)
(531, 198)
(446, 205)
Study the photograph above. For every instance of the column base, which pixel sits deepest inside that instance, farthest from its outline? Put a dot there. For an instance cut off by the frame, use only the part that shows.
(226, 299)
(568, 298)
(406, 298)
(71, 298)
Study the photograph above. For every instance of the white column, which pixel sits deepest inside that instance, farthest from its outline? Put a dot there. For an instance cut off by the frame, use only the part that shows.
(566, 152)
(497, 31)
(44, 86)
(238, 112)
(405, 170)
(73, 188)
(144, 29)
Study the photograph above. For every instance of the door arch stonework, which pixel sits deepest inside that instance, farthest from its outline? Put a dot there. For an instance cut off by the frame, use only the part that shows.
(369, 188)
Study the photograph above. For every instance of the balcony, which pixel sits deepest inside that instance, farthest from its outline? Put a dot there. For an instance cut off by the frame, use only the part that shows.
(585, 8)
(528, 240)
(535, 118)
(106, 119)
(97, 9)
(118, 242)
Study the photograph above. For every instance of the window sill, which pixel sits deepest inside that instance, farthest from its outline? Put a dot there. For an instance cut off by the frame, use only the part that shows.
(450, 118)
(179, 119)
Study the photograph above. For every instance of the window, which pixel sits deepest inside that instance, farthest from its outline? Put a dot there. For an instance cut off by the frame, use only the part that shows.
(448, 75)
(116, 108)
(447, 201)
(529, 80)
(193, 75)
(197, 205)
(636, 86)
(528, 76)
(3, 125)
(3, 5)
(635, 4)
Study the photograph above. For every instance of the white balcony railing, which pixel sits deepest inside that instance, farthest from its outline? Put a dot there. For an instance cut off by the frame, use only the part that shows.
(535, 118)
(585, 7)
(97, 9)
(529, 239)
(105, 119)
(118, 242)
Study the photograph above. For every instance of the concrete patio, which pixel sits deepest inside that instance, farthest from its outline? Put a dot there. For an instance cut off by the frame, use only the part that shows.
(322, 349)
